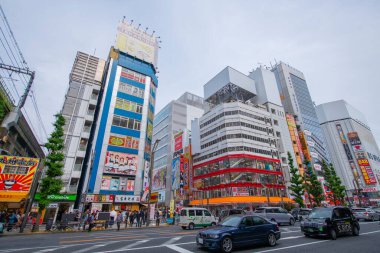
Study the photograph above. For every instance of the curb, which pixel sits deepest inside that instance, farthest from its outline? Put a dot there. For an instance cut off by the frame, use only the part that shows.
(78, 231)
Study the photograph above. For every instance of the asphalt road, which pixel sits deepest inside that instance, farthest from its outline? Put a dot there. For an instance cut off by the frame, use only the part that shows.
(174, 239)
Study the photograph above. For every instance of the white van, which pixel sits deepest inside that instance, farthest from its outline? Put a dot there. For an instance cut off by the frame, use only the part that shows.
(192, 217)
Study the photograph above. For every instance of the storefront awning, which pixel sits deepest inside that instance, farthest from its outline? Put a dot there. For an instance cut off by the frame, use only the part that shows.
(13, 196)
(240, 199)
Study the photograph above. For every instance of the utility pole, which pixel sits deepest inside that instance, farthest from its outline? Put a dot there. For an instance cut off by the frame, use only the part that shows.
(155, 145)
(13, 116)
(32, 193)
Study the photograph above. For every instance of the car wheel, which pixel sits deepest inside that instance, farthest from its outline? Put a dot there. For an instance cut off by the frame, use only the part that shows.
(291, 222)
(183, 227)
(191, 226)
(272, 240)
(355, 230)
(333, 234)
(227, 245)
(213, 224)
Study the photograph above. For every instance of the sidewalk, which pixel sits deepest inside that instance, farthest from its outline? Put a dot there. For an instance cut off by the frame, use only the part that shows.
(28, 228)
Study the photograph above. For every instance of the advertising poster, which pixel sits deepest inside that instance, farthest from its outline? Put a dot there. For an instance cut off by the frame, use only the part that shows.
(146, 176)
(106, 183)
(16, 173)
(240, 191)
(361, 157)
(120, 163)
(124, 141)
(178, 142)
(136, 42)
(123, 184)
(131, 185)
(175, 173)
(115, 182)
(159, 179)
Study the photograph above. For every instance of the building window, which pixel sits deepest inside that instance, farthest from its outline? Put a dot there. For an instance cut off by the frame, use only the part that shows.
(126, 122)
(273, 111)
(128, 105)
(275, 122)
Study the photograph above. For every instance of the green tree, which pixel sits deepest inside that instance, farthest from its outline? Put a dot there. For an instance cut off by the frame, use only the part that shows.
(296, 187)
(52, 182)
(313, 186)
(329, 180)
(339, 190)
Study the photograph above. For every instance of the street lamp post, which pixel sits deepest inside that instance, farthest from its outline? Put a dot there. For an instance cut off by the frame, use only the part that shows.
(155, 145)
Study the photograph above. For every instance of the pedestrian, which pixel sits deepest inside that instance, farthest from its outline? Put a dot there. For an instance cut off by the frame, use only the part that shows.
(113, 216)
(12, 220)
(157, 217)
(119, 220)
(142, 217)
(91, 221)
(127, 213)
(85, 217)
(138, 219)
(164, 215)
(131, 219)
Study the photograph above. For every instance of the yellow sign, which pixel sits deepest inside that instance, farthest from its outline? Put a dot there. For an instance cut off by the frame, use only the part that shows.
(10, 196)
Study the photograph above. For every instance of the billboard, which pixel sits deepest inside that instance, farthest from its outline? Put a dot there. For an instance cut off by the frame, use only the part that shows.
(117, 183)
(177, 142)
(120, 163)
(146, 176)
(159, 179)
(124, 141)
(361, 157)
(16, 173)
(175, 173)
(137, 43)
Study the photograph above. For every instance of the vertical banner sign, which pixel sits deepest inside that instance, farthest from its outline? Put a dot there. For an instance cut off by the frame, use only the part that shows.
(347, 150)
(361, 157)
(175, 173)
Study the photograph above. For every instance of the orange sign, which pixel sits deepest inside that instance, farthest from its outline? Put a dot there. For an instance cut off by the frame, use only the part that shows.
(16, 173)
(117, 141)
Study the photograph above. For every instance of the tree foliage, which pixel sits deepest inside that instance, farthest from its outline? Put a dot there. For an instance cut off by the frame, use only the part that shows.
(296, 187)
(313, 186)
(52, 182)
(334, 183)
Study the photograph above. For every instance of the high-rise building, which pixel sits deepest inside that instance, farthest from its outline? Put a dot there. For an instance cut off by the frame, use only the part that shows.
(122, 147)
(296, 99)
(353, 149)
(174, 119)
(82, 96)
(238, 163)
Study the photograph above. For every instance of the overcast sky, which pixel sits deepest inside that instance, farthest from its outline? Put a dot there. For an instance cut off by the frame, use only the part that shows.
(334, 43)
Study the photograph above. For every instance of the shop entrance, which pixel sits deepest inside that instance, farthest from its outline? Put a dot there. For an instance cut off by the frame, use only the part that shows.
(62, 208)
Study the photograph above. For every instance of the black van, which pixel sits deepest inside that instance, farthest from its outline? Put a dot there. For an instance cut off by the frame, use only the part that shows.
(330, 221)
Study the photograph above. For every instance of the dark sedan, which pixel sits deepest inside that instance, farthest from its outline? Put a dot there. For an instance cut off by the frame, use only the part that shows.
(239, 230)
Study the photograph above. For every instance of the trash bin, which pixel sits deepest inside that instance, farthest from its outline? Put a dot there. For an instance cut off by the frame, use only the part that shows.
(49, 224)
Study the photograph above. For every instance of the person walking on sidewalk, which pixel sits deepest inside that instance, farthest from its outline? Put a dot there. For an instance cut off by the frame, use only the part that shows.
(157, 217)
(119, 220)
(91, 221)
(85, 217)
(12, 220)
(127, 213)
(131, 219)
(141, 215)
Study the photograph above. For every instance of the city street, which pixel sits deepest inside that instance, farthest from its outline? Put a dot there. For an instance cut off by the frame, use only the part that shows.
(174, 239)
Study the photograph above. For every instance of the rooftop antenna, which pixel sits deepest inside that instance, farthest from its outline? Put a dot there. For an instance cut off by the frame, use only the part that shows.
(153, 33)
(131, 22)
(138, 26)
(123, 18)
(146, 29)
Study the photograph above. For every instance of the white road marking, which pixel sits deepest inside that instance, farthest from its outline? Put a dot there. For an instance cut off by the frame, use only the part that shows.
(134, 244)
(171, 241)
(148, 247)
(289, 247)
(291, 237)
(291, 232)
(90, 248)
(372, 232)
(178, 249)
(368, 222)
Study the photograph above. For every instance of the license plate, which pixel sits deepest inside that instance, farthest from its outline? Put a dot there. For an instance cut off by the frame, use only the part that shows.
(200, 240)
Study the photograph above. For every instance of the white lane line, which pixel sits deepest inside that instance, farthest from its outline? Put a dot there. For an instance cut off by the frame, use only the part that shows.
(134, 244)
(291, 237)
(90, 248)
(178, 249)
(291, 232)
(368, 222)
(366, 233)
(171, 241)
(148, 247)
(289, 247)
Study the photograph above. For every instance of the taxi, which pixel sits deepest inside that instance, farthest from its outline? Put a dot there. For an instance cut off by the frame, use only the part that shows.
(330, 222)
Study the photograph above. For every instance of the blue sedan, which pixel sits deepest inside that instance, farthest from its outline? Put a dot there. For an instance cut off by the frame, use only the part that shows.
(239, 230)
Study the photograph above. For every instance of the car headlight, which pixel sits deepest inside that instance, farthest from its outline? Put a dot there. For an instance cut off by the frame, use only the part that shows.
(213, 236)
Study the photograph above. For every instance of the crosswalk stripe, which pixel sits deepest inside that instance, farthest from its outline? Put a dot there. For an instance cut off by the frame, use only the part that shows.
(89, 249)
(178, 249)
(171, 240)
(134, 244)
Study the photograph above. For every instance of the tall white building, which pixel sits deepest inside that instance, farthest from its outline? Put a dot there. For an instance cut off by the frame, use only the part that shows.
(175, 117)
(353, 149)
(79, 110)
(238, 163)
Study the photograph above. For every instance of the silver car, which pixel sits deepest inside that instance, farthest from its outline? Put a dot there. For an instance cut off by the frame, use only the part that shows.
(365, 214)
(276, 214)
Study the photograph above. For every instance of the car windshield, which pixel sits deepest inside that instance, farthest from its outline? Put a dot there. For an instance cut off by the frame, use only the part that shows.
(259, 210)
(231, 221)
(320, 214)
(304, 212)
(359, 210)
